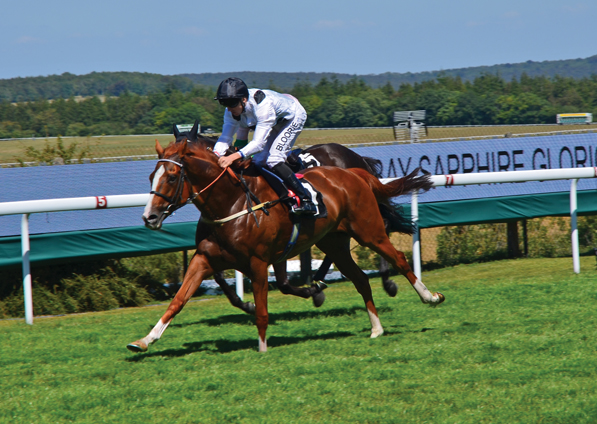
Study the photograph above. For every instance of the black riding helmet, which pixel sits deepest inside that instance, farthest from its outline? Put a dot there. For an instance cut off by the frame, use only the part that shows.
(231, 91)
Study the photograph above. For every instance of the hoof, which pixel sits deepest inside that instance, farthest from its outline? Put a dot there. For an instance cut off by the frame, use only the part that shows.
(390, 287)
(249, 308)
(441, 300)
(320, 286)
(138, 346)
(375, 334)
(318, 299)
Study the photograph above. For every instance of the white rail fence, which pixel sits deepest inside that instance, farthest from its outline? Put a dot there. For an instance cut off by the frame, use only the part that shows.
(25, 208)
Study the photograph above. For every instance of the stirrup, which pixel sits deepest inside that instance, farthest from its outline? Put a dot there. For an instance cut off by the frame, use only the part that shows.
(306, 208)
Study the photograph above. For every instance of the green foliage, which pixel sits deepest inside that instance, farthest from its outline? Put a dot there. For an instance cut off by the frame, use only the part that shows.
(547, 238)
(486, 98)
(57, 154)
(80, 294)
(95, 83)
(587, 231)
(93, 286)
(471, 243)
(366, 259)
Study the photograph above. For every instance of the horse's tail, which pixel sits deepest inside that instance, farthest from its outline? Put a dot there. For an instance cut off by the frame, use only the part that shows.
(398, 187)
(393, 215)
(374, 165)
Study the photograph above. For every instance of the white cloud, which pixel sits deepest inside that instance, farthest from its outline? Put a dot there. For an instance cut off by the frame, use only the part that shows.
(28, 40)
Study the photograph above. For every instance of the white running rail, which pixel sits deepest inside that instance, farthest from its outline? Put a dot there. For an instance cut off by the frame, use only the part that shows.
(135, 200)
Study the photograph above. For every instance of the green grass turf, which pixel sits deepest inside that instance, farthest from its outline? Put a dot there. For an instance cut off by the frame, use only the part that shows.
(513, 343)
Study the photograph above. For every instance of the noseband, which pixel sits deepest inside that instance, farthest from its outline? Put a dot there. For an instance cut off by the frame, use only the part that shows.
(176, 201)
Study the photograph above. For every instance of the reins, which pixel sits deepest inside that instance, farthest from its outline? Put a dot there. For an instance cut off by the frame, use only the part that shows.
(176, 203)
(218, 177)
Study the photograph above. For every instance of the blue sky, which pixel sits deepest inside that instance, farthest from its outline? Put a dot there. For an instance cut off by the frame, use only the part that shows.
(356, 37)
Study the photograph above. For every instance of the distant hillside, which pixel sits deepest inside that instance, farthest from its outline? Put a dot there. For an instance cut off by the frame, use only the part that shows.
(575, 68)
(115, 83)
(95, 83)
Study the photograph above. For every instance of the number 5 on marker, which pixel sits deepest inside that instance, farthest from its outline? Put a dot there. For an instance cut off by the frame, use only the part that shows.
(101, 202)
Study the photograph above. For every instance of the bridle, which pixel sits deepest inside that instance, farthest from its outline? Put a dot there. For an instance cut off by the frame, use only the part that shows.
(175, 202)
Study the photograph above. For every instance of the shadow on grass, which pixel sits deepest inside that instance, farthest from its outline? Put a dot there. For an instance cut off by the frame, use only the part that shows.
(245, 319)
(227, 346)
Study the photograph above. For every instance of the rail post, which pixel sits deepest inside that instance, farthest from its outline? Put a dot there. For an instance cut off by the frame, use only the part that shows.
(414, 211)
(239, 285)
(574, 227)
(25, 249)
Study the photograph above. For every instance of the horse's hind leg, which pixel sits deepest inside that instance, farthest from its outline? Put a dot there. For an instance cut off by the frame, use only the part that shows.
(369, 231)
(384, 272)
(384, 247)
(198, 269)
(337, 247)
(315, 291)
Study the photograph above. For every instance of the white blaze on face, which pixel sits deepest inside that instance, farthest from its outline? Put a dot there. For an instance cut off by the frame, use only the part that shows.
(154, 187)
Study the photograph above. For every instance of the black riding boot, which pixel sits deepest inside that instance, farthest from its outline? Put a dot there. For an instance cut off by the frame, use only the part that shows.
(306, 206)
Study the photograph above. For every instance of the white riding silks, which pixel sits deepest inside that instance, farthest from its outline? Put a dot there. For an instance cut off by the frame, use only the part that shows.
(263, 116)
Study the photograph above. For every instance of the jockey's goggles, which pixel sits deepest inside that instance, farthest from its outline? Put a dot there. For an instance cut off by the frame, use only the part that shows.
(229, 102)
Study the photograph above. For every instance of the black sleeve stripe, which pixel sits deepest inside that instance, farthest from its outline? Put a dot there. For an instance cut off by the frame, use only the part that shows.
(259, 96)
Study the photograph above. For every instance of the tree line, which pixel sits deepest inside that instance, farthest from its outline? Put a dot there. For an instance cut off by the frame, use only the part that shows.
(486, 100)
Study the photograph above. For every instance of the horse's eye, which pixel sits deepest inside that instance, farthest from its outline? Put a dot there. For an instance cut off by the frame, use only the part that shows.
(172, 179)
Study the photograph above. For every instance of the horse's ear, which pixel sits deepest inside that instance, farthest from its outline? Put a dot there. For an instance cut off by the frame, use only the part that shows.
(194, 131)
(175, 131)
(159, 149)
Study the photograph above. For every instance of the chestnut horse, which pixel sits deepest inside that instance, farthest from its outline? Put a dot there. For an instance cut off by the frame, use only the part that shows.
(330, 154)
(250, 241)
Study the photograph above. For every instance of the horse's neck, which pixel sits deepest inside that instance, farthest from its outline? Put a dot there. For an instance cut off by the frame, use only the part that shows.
(219, 195)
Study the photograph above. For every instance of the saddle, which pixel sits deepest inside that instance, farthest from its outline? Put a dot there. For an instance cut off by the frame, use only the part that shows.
(297, 160)
(281, 190)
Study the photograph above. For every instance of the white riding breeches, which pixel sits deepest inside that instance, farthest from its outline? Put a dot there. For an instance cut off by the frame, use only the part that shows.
(281, 138)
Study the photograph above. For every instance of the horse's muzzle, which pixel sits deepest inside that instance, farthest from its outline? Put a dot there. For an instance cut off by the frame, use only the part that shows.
(153, 222)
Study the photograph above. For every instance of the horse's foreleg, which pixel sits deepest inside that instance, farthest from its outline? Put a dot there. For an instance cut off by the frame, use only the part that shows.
(248, 307)
(337, 247)
(199, 268)
(260, 287)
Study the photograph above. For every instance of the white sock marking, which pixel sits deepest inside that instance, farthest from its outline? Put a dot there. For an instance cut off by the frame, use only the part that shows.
(156, 332)
(423, 292)
(376, 328)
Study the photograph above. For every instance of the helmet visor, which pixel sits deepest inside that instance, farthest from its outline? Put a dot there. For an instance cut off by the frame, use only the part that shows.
(229, 102)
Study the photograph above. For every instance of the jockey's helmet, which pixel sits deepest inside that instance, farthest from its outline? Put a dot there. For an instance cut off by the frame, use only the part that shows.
(231, 91)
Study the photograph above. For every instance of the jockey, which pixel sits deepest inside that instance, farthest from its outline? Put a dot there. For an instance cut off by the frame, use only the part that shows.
(277, 119)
